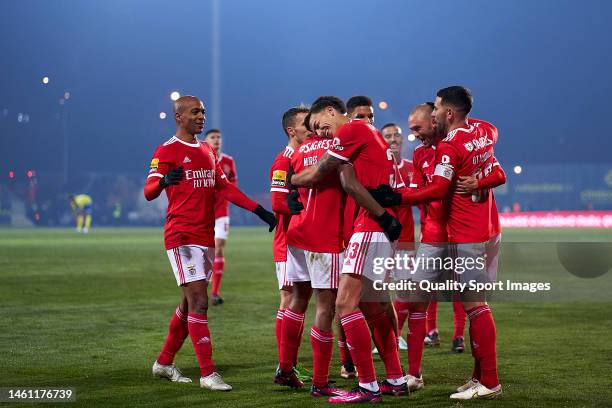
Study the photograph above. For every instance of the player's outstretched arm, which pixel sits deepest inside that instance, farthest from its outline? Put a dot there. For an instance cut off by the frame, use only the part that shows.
(235, 196)
(314, 174)
(435, 191)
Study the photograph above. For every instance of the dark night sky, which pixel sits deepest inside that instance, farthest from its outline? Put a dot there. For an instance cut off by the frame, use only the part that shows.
(540, 70)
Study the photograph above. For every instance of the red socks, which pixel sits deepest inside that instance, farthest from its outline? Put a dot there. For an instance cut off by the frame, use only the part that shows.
(202, 344)
(177, 333)
(432, 316)
(401, 308)
(292, 327)
(218, 268)
(322, 350)
(359, 344)
(416, 336)
(482, 337)
(277, 328)
(384, 338)
(459, 318)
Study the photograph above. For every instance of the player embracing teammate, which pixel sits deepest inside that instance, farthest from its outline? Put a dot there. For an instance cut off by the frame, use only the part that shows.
(465, 172)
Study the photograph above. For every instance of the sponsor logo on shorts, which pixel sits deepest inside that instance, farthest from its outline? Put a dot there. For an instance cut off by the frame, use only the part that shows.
(279, 178)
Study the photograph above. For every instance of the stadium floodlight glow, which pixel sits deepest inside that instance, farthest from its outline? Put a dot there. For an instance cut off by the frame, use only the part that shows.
(411, 137)
(518, 169)
(11, 174)
(162, 115)
(45, 80)
(174, 95)
(66, 95)
(383, 105)
(30, 174)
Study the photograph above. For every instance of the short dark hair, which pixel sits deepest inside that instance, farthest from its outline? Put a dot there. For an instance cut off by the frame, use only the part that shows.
(389, 125)
(458, 96)
(431, 105)
(355, 101)
(323, 102)
(290, 114)
(213, 130)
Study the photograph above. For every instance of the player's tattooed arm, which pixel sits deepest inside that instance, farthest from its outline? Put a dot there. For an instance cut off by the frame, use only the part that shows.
(355, 189)
(314, 174)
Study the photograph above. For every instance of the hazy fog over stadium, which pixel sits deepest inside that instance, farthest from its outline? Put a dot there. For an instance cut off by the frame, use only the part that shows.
(119, 61)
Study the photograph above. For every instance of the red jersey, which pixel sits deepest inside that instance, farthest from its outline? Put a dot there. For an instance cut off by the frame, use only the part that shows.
(228, 165)
(278, 183)
(190, 218)
(362, 145)
(434, 214)
(468, 151)
(404, 213)
(319, 227)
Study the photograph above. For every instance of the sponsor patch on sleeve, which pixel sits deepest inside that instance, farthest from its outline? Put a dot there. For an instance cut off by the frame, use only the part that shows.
(444, 170)
(279, 178)
(154, 164)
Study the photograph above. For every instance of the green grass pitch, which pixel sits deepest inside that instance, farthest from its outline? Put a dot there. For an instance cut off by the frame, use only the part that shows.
(91, 312)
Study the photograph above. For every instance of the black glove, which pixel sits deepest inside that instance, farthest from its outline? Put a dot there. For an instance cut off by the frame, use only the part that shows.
(385, 196)
(173, 177)
(266, 216)
(294, 203)
(390, 225)
(290, 174)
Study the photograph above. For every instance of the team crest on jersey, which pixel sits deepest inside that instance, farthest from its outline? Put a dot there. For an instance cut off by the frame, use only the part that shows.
(191, 269)
(154, 164)
(468, 146)
(279, 178)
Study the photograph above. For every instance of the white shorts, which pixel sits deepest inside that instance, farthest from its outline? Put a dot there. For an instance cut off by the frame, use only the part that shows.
(321, 269)
(428, 262)
(281, 275)
(191, 263)
(222, 227)
(365, 252)
(405, 265)
(483, 258)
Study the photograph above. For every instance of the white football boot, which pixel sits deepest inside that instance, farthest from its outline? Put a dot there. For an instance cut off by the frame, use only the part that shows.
(478, 391)
(414, 383)
(169, 372)
(215, 382)
(471, 382)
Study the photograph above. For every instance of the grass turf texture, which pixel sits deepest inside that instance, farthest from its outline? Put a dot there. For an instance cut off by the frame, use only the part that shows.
(91, 312)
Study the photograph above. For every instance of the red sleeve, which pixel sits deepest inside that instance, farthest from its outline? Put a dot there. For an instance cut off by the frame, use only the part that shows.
(279, 203)
(447, 161)
(348, 141)
(495, 178)
(237, 197)
(434, 191)
(160, 164)
(233, 176)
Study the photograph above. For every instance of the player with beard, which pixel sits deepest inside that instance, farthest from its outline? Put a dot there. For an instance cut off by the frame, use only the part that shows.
(374, 230)
(472, 223)
(189, 171)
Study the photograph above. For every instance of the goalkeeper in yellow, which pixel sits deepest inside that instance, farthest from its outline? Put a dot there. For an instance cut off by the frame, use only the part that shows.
(81, 207)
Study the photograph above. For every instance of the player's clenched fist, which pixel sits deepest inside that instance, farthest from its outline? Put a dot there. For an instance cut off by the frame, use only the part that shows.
(385, 196)
(173, 177)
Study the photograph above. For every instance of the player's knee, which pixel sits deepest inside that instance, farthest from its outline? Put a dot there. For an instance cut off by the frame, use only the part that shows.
(345, 306)
(197, 304)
